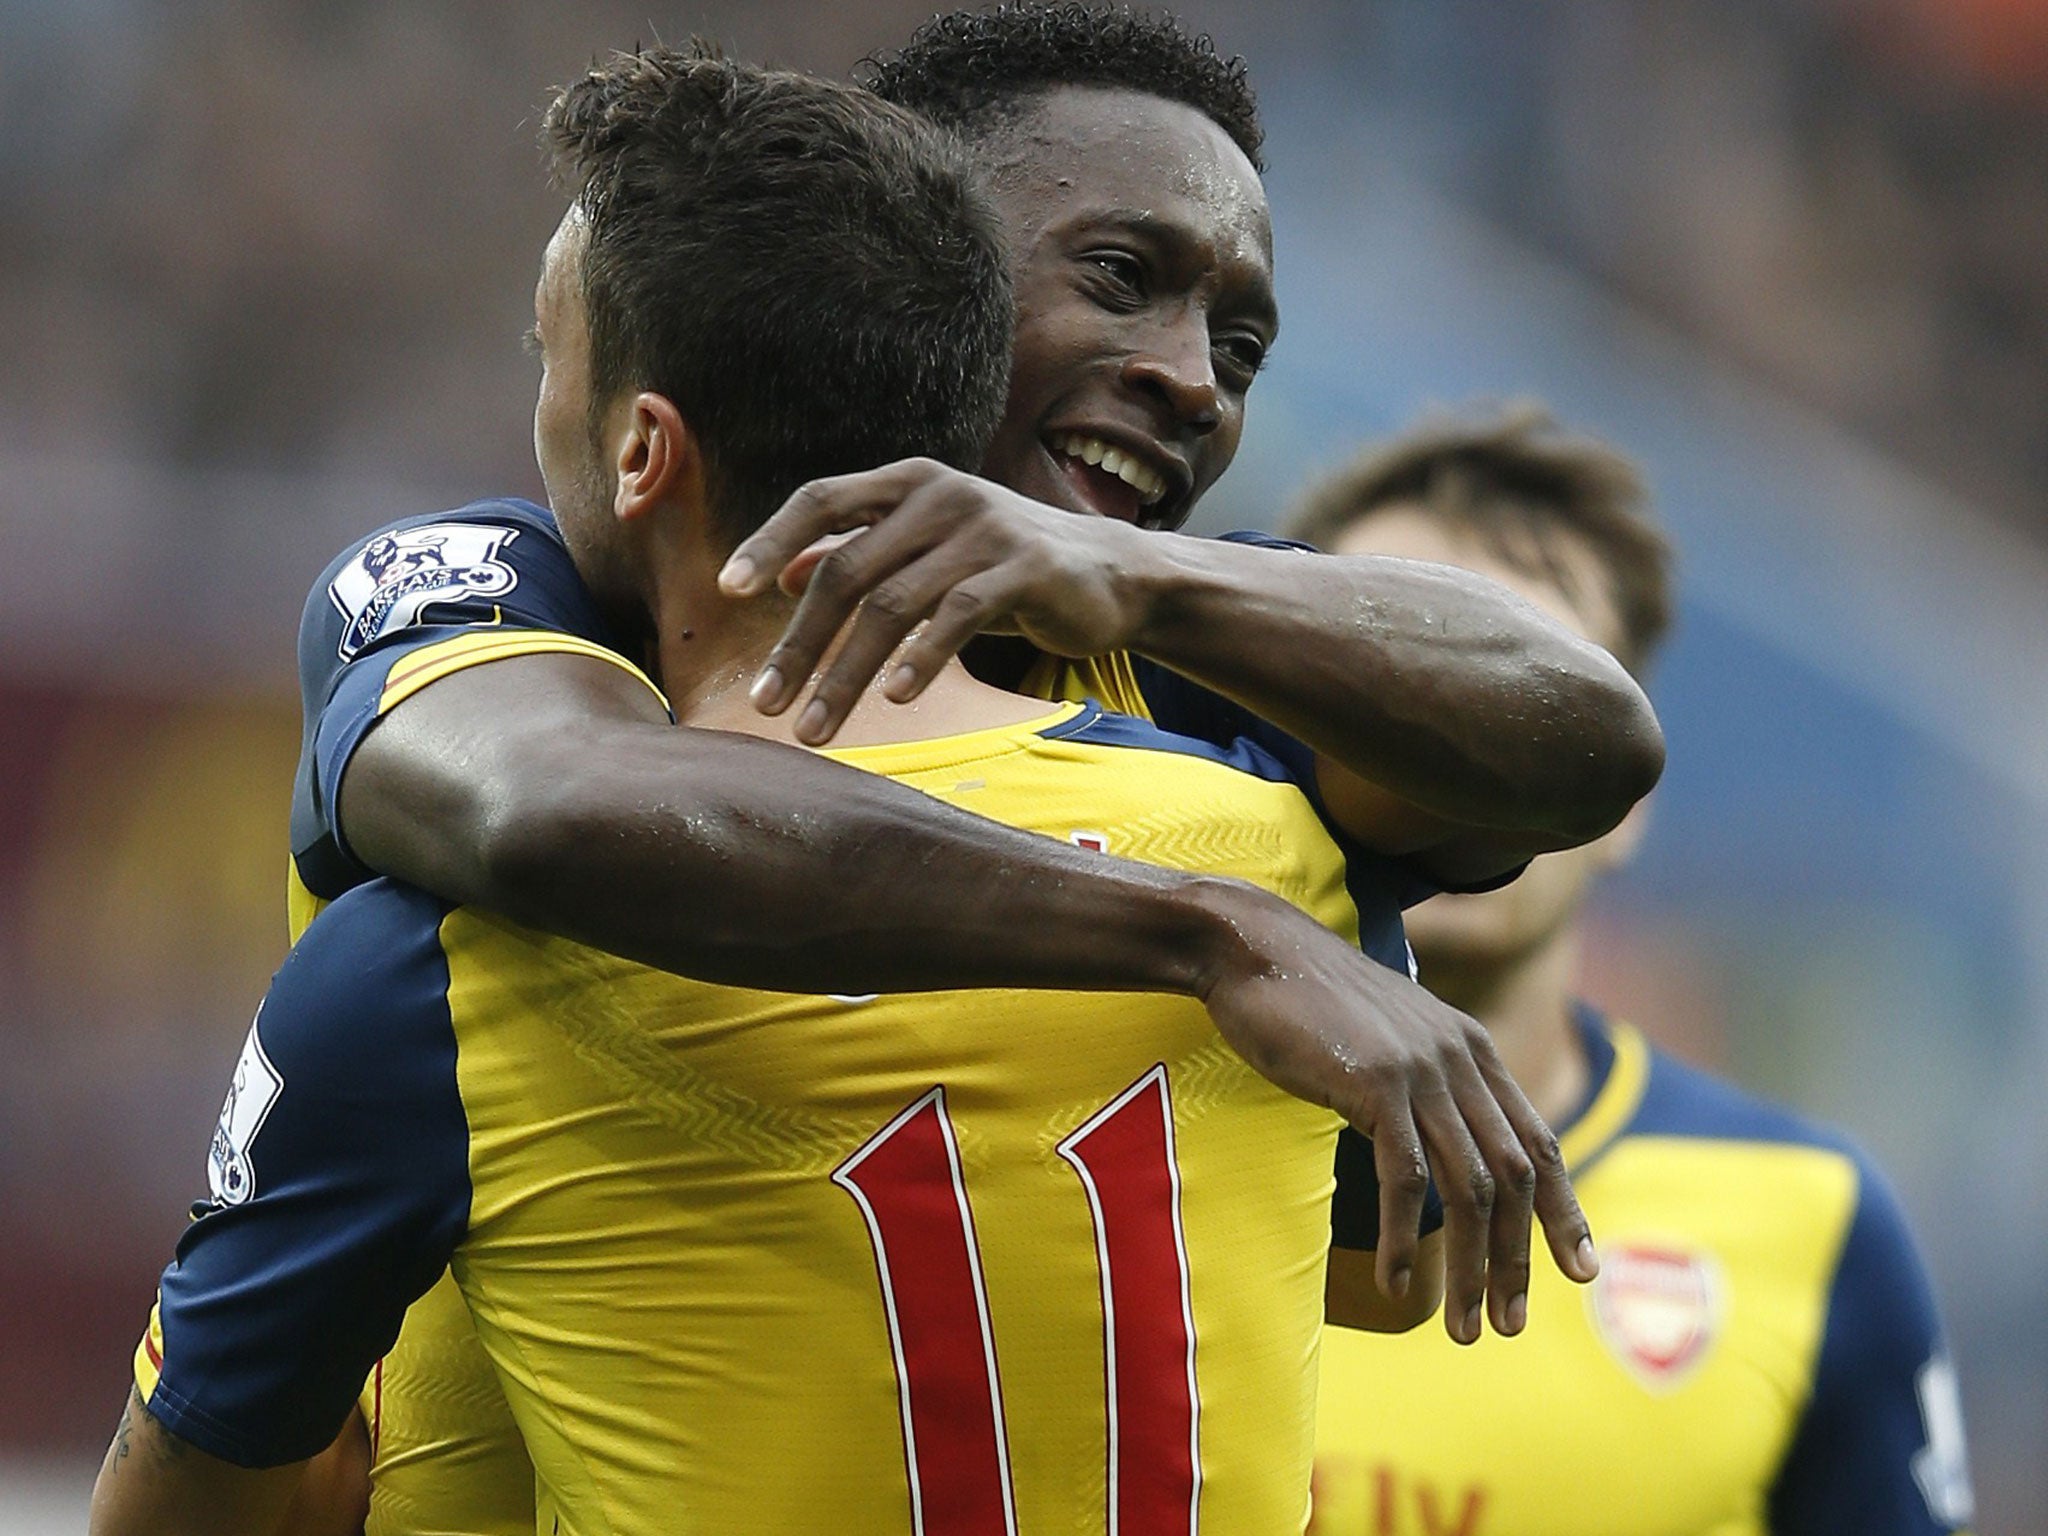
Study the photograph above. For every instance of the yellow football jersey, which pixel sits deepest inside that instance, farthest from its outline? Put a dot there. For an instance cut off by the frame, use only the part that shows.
(428, 596)
(752, 1261)
(1759, 1354)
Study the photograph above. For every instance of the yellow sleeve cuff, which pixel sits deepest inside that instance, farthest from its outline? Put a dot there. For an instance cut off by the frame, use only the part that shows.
(431, 663)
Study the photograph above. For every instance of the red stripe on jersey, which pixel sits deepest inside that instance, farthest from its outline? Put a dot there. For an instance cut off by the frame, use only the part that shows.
(907, 1182)
(1125, 1157)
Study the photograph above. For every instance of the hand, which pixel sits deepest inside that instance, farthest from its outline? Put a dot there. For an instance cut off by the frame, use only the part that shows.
(959, 555)
(1310, 1013)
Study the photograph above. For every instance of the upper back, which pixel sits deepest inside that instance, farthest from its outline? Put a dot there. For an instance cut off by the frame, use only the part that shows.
(710, 1225)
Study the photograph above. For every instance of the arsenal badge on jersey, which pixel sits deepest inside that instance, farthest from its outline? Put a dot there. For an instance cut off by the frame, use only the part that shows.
(1657, 1309)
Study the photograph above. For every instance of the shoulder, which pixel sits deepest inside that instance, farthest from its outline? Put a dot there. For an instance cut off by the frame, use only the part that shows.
(499, 559)
(1099, 727)
(1680, 1099)
(367, 977)
(1876, 1277)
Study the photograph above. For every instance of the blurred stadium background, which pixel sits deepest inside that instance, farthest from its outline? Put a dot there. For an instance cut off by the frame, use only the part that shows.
(263, 269)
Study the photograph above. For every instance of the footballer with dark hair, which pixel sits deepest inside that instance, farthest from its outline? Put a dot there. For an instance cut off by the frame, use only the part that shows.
(749, 1259)
(525, 771)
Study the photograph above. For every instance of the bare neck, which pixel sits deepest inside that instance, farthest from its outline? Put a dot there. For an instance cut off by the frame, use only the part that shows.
(710, 648)
(1526, 1005)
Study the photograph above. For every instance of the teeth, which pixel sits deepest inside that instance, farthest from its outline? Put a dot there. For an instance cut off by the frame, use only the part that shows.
(1147, 482)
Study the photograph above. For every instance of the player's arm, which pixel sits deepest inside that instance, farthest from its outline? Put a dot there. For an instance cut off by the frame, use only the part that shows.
(1879, 1448)
(1360, 1288)
(1352, 1297)
(338, 1188)
(152, 1483)
(552, 788)
(1456, 725)
(530, 771)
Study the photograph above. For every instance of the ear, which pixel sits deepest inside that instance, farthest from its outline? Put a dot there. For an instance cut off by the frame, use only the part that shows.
(655, 456)
(1619, 846)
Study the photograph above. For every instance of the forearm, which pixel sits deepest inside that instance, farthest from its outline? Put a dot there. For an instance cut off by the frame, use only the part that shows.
(154, 1484)
(1436, 685)
(735, 860)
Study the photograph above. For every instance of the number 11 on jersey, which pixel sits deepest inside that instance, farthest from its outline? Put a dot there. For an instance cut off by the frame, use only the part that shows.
(908, 1184)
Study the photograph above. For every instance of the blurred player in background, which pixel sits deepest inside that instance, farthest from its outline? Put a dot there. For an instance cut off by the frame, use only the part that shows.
(1761, 1351)
(748, 1260)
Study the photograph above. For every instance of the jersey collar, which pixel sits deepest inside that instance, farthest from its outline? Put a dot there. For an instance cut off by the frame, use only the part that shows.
(1619, 1059)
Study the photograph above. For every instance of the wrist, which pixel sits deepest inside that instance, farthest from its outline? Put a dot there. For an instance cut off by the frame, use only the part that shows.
(1227, 932)
(1174, 588)
(1151, 579)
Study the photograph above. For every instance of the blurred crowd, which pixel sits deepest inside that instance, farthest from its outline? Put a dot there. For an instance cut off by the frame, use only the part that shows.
(1848, 197)
(214, 233)
(264, 265)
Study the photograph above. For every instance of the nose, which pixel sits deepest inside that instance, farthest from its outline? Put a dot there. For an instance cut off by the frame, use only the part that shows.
(1179, 369)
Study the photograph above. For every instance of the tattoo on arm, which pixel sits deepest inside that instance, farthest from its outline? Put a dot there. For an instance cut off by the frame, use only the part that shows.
(136, 1422)
(126, 1427)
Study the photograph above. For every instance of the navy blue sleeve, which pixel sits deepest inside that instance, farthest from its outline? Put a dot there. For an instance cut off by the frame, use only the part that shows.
(492, 565)
(1879, 1450)
(1355, 1212)
(339, 1187)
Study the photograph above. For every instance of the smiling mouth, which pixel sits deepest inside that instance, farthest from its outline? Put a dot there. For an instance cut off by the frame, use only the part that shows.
(1147, 487)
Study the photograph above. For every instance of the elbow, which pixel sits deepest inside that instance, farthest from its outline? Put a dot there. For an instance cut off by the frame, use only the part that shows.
(1617, 760)
(1635, 750)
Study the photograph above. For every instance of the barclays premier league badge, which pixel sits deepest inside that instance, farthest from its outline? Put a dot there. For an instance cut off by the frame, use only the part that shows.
(229, 1174)
(398, 574)
(1657, 1309)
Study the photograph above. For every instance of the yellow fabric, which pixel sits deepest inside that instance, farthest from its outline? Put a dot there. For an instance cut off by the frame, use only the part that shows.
(448, 1458)
(149, 1354)
(446, 1455)
(1565, 1431)
(441, 1479)
(1110, 681)
(474, 648)
(685, 1308)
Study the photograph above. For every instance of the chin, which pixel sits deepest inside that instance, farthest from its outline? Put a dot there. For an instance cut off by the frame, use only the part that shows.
(1441, 944)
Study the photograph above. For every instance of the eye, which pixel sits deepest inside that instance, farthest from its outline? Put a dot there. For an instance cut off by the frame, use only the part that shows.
(1123, 274)
(530, 341)
(1242, 354)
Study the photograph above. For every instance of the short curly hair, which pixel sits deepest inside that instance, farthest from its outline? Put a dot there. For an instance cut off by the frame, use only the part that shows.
(976, 71)
(847, 239)
(1520, 485)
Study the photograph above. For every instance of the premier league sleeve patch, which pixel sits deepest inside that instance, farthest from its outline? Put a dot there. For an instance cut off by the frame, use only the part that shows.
(229, 1173)
(396, 575)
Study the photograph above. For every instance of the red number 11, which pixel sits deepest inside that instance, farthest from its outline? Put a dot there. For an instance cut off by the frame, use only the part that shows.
(907, 1182)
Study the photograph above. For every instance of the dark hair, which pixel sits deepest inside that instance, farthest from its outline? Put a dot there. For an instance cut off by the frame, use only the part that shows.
(1519, 484)
(809, 273)
(977, 71)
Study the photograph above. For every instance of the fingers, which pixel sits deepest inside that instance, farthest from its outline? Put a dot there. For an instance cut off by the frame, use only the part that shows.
(1404, 1184)
(1565, 1227)
(885, 617)
(1467, 1187)
(821, 507)
(1513, 1180)
(872, 574)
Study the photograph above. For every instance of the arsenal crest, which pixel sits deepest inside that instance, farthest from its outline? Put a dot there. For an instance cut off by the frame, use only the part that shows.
(1657, 1309)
